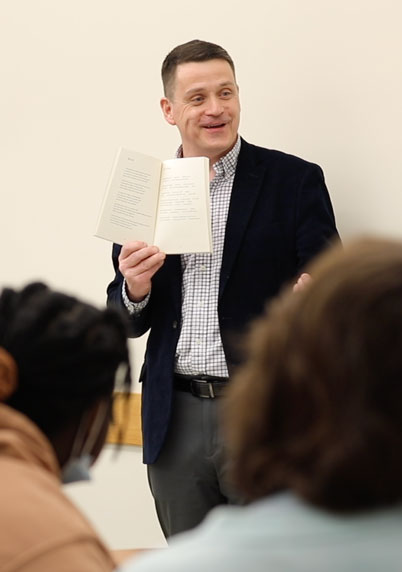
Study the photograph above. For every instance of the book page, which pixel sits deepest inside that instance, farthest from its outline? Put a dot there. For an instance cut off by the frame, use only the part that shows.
(129, 207)
(183, 222)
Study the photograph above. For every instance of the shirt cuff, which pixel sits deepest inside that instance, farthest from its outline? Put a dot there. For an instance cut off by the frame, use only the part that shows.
(133, 308)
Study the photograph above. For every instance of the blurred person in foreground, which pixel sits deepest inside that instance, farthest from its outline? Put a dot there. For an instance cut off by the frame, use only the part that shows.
(314, 426)
(59, 361)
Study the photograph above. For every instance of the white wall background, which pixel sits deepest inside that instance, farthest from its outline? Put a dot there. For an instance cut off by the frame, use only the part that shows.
(317, 78)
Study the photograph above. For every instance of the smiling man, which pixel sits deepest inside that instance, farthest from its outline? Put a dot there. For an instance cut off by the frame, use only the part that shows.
(271, 213)
(203, 102)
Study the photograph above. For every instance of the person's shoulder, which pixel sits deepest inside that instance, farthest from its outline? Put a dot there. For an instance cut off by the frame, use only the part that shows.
(274, 156)
(229, 537)
(40, 522)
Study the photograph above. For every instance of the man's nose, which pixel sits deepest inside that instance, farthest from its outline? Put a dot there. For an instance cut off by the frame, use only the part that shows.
(214, 106)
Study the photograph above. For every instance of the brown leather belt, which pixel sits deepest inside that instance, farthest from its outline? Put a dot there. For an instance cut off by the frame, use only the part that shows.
(205, 386)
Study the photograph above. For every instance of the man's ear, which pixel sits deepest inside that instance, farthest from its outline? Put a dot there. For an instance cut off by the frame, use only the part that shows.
(167, 110)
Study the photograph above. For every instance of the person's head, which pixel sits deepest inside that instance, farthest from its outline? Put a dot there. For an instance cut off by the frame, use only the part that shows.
(201, 98)
(58, 364)
(317, 408)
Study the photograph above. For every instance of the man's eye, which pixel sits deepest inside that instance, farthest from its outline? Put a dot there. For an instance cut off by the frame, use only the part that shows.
(226, 93)
(197, 99)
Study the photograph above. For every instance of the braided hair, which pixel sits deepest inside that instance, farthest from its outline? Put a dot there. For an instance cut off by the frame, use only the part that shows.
(67, 353)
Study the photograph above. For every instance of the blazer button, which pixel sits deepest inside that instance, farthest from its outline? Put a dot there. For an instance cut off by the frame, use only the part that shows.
(174, 325)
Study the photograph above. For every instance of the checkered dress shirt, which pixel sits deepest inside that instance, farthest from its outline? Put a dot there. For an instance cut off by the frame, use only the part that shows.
(199, 349)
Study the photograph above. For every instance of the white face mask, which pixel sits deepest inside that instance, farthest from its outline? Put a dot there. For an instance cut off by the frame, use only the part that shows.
(77, 469)
(78, 466)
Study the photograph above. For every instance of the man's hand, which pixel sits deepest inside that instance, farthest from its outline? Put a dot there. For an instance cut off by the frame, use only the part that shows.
(302, 282)
(138, 262)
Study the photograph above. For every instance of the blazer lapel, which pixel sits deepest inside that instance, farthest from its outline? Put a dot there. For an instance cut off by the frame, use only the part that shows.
(246, 188)
(172, 267)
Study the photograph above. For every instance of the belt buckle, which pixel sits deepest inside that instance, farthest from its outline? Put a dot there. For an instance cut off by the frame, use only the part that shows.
(210, 388)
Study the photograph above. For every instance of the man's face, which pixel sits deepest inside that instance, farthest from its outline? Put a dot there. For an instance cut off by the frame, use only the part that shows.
(204, 104)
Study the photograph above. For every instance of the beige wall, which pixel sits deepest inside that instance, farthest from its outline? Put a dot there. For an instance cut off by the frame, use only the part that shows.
(317, 78)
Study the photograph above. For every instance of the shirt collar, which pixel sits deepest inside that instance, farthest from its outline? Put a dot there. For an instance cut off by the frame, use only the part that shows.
(226, 164)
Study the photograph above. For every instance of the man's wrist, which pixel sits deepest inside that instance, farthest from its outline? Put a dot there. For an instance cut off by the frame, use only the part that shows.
(133, 308)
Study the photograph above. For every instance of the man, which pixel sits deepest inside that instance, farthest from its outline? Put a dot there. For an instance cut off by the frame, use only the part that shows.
(271, 214)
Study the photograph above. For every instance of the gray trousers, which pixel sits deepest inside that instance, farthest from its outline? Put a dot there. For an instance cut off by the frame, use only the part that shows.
(189, 477)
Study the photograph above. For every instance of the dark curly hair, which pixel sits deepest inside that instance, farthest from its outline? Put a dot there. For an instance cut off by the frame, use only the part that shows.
(317, 408)
(67, 353)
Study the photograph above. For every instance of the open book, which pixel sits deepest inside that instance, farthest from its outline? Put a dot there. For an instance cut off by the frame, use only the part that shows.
(165, 203)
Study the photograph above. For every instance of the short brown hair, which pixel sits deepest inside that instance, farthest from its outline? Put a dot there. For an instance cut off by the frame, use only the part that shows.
(193, 51)
(317, 408)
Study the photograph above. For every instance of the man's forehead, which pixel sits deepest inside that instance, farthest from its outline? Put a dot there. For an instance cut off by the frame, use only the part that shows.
(204, 72)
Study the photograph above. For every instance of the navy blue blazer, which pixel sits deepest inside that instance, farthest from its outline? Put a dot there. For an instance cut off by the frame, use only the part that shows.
(280, 217)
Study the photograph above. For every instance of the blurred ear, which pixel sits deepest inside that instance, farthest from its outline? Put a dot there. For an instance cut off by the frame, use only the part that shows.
(167, 109)
(8, 374)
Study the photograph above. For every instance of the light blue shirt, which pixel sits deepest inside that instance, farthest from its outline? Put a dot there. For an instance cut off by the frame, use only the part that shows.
(282, 534)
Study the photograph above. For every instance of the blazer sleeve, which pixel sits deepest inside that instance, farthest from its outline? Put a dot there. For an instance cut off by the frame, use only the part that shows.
(139, 324)
(315, 219)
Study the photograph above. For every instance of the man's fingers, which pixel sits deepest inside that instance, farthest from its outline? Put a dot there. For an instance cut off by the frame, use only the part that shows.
(303, 280)
(129, 247)
(139, 256)
(148, 265)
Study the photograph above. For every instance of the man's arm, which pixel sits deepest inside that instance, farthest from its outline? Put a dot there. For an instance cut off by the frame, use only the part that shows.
(315, 224)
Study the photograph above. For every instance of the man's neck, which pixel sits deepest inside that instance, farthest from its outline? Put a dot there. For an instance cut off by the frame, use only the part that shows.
(212, 158)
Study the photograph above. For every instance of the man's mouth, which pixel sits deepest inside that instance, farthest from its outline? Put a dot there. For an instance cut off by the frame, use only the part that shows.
(214, 126)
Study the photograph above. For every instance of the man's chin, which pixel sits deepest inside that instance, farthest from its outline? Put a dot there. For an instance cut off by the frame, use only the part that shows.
(219, 145)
